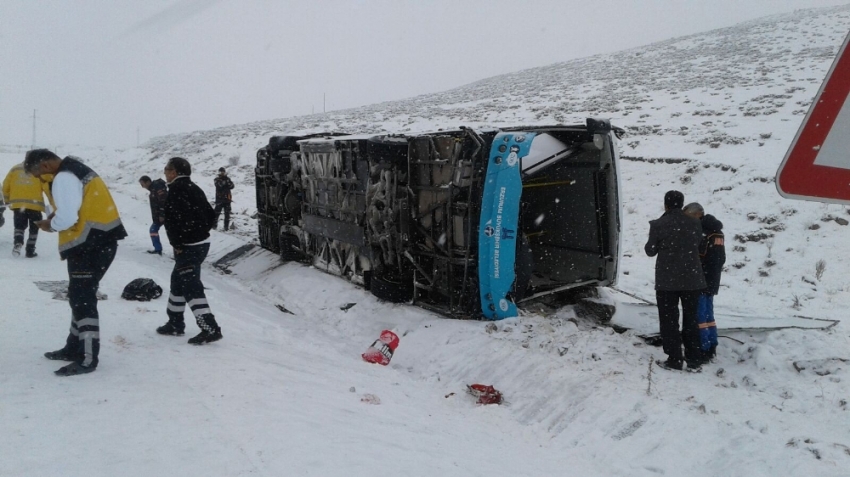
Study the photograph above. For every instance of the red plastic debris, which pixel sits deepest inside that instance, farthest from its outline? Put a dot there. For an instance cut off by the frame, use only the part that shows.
(381, 351)
(485, 393)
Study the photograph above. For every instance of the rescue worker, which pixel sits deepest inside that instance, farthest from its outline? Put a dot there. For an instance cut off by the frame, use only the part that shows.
(188, 220)
(223, 197)
(24, 194)
(158, 194)
(89, 229)
(712, 255)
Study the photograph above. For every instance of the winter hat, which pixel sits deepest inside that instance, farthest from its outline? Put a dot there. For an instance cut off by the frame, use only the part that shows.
(221, 169)
(674, 199)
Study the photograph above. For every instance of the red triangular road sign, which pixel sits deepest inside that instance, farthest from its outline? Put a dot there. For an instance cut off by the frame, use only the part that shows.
(817, 165)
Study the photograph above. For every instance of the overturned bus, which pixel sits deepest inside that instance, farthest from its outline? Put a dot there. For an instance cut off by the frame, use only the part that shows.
(466, 223)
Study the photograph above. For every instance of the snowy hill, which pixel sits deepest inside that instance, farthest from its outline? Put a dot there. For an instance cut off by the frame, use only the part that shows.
(287, 394)
(720, 108)
(735, 79)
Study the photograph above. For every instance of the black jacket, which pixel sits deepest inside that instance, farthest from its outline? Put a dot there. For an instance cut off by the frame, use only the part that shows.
(158, 195)
(188, 215)
(675, 238)
(223, 186)
(712, 252)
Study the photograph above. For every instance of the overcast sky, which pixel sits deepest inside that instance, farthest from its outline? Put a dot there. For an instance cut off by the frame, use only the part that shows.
(98, 71)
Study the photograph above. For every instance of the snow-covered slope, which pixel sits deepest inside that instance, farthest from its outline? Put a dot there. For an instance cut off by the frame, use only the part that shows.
(287, 394)
(701, 92)
(719, 108)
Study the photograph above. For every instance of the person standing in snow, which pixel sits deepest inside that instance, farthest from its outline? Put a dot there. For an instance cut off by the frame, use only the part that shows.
(675, 239)
(712, 254)
(158, 194)
(188, 220)
(223, 197)
(24, 194)
(89, 229)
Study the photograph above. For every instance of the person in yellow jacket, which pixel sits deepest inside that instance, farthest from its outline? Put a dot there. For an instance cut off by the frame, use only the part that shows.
(24, 194)
(89, 230)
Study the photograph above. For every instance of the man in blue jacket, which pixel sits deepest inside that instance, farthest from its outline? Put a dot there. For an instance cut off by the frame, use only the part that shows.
(158, 194)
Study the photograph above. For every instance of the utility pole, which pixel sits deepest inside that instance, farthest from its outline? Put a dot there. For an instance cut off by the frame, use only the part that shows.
(33, 129)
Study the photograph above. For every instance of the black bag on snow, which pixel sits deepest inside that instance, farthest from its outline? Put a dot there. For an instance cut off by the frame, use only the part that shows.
(142, 289)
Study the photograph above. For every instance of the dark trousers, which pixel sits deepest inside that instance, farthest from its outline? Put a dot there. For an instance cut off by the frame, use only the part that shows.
(85, 270)
(154, 230)
(24, 218)
(668, 318)
(187, 288)
(218, 208)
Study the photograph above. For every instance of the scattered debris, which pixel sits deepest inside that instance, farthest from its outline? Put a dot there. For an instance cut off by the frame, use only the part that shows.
(232, 257)
(381, 351)
(486, 394)
(730, 338)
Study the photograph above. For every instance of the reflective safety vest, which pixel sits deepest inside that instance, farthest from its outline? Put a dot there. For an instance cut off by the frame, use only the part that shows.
(23, 191)
(98, 220)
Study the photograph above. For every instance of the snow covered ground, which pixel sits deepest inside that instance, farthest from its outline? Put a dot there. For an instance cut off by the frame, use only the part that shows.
(287, 393)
